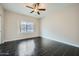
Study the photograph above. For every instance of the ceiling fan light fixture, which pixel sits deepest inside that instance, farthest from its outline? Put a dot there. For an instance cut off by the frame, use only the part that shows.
(35, 8)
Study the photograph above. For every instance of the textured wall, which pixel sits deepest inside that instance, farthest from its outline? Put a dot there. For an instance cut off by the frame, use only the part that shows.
(12, 26)
(62, 23)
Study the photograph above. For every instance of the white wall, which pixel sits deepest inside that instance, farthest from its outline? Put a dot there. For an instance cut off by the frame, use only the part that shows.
(62, 23)
(2, 24)
(12, 26)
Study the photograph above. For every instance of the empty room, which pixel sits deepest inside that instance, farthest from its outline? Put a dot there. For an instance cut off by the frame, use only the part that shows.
(39, 29)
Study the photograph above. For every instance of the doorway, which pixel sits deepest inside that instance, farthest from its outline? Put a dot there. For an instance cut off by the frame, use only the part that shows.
(0, 29)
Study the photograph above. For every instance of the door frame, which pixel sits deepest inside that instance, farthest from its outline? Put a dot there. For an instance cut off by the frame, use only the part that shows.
(0, 29)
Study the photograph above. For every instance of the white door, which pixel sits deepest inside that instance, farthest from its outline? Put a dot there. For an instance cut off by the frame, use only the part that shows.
(0, 29)
(0, 37)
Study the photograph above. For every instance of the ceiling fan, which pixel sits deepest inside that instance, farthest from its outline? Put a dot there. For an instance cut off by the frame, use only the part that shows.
(35, 8)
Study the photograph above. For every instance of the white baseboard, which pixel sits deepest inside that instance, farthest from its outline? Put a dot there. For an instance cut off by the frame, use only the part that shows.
(19, 39)
(75, 45)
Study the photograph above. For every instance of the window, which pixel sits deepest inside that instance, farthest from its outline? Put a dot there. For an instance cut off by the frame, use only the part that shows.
(27, 27)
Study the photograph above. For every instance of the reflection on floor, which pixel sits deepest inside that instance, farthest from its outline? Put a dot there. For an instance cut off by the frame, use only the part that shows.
(37, 47)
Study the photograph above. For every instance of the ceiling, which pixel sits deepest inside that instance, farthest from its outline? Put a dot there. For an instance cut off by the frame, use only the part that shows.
(50, 8)
(20, 8)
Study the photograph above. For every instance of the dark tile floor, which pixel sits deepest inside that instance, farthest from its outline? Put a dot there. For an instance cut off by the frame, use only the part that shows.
(37, 47)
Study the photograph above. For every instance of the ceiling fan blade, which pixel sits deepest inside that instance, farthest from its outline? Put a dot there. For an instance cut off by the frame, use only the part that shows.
(29, 7)
(42, 9)
(38, 4)
(31, 11)
(38, 13)
(34, 5)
